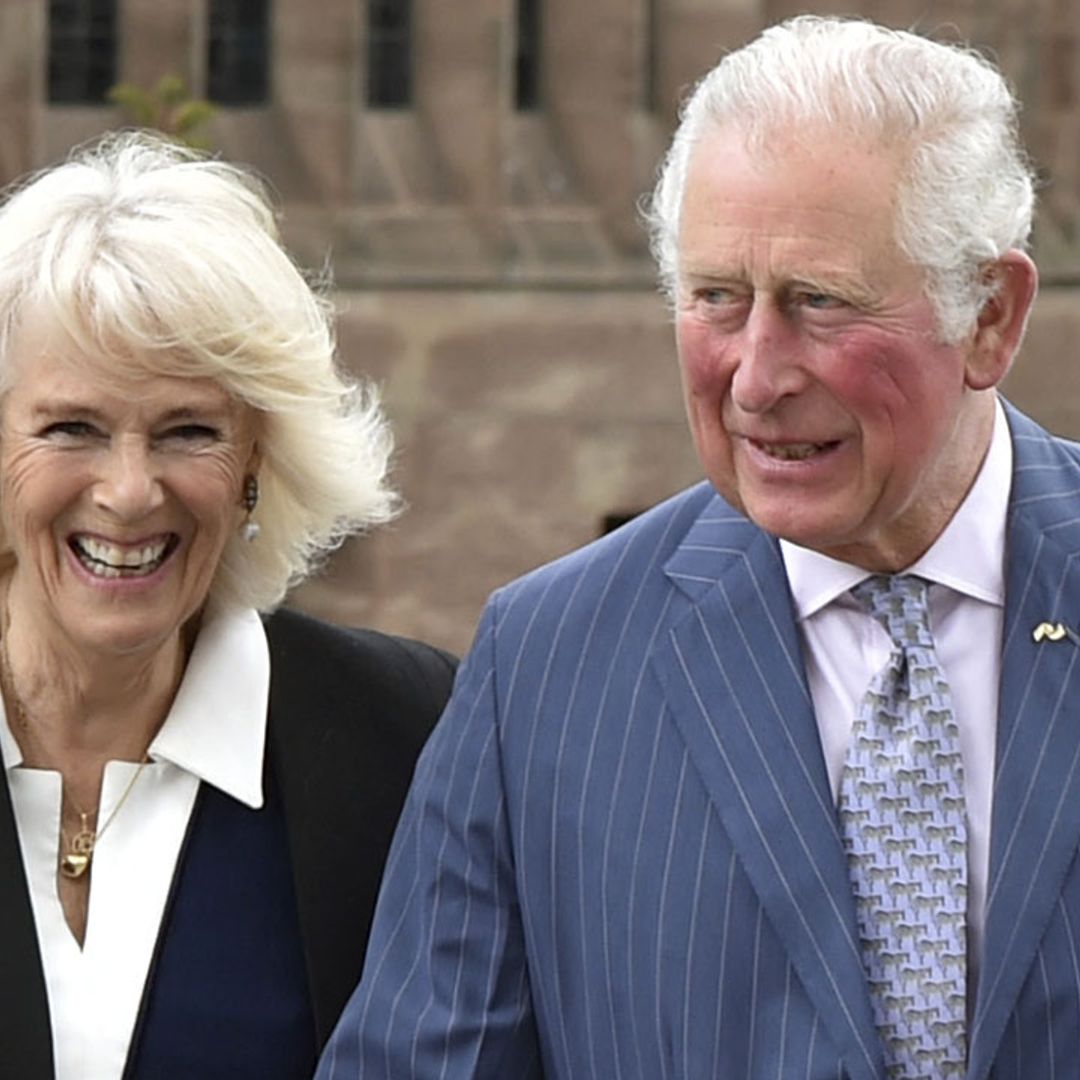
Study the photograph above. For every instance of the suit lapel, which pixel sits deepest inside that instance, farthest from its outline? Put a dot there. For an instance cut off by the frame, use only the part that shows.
(734, 679)
(1036, 808)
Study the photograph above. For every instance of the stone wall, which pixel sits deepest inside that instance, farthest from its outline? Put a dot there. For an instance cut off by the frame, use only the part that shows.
(524, 419)
(492, 273)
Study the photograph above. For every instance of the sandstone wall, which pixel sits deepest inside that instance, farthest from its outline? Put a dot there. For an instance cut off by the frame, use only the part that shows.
(492, 274)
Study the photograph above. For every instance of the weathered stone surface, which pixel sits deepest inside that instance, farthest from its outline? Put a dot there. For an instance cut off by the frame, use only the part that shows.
(524, 415)
(158, 39)
(522, 421)
(1045, 378)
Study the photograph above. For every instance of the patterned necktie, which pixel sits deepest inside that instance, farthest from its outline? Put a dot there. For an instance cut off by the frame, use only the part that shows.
(902, 818)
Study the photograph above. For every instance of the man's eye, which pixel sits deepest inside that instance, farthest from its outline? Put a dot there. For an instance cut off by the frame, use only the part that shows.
(716, 295)
(819, 301)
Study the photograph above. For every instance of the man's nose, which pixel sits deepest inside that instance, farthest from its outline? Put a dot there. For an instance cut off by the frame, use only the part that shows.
(768, 364)
(128, 485)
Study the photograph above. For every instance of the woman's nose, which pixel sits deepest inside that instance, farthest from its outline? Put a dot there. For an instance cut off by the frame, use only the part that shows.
(128, 486)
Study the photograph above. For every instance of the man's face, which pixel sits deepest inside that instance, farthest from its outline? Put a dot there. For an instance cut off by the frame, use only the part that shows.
(821, 401)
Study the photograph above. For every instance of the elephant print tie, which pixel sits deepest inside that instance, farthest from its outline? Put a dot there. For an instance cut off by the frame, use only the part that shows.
(903, 822)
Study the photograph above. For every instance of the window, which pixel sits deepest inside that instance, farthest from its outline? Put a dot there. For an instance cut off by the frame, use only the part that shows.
(527, 56)
(239, 53)
(389, 53)
(650, 82)
(82, 50)
(616, 520)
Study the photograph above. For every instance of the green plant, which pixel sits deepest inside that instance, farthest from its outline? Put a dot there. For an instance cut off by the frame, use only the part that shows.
(166, 107)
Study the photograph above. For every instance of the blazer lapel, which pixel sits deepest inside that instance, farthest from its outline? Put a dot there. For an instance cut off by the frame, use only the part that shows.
(25, 1033)
(326, 888)
(735, 682)
(1036, 810)
(348, 714)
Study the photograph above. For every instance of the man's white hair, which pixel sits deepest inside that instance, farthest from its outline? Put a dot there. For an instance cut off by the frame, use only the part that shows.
(966, 192)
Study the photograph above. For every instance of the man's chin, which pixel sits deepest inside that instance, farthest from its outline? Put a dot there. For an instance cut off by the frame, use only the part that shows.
(805, 526)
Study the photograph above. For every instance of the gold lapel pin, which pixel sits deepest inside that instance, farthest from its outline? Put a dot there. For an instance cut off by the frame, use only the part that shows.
(1049, 631)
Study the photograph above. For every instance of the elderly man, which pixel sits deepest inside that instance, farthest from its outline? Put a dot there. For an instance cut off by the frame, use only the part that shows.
(781, 780)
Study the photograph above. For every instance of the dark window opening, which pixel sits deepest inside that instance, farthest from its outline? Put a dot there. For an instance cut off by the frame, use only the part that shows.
(389, 54)
(82, 51)
(527, 90)
(238, 64)
(616, 519)
(650, 82)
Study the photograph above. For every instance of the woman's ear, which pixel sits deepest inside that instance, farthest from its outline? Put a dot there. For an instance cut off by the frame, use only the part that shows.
(1002, 320)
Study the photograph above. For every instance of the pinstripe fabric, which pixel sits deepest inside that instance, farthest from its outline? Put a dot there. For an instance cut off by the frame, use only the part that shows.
(1033, 895)
(620, 856)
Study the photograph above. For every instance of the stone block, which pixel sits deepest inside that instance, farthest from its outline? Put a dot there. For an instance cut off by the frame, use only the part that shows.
(1045, 377)
(624, 367)
(157, 39)
(303, 152)
(368, 349)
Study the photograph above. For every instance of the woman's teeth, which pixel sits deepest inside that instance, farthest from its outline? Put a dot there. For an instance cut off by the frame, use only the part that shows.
(109, 561)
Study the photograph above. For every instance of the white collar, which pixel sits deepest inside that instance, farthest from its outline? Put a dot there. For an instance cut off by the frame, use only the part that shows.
(968, 556)
(216, 728)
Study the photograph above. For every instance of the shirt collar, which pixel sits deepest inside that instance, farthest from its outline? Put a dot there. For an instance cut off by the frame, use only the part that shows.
(216, 728)
(968, 556)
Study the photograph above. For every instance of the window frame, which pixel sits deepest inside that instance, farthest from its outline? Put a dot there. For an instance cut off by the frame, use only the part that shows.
(238, 55)
(89, 44)
(389, 73)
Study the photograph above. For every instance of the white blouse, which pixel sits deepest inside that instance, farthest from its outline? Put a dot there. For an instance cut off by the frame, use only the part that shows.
(214, 732)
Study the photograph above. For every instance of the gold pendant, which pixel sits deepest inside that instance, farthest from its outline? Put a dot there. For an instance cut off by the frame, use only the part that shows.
(77, 861)
(82, 843)
(74, 864)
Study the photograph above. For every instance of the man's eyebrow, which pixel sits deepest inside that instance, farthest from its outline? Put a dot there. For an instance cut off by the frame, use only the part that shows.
(842, 285)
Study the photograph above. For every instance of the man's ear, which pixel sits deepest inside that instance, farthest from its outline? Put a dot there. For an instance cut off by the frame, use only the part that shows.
(1001, 323)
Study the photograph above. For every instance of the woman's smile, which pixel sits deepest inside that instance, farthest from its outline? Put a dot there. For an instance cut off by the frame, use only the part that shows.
(120, 495)
(106, 559)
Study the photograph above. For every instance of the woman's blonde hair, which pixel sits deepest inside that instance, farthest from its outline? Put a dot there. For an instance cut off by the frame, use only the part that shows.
(160, 261)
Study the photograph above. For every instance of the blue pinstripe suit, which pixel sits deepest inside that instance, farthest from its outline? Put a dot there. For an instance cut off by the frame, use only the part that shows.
(620, 855)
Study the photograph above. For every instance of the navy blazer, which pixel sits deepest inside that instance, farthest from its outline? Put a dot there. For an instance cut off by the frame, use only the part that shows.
(348, 713)
(620, 858)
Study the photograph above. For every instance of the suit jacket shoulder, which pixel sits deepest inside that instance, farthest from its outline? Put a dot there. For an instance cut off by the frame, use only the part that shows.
(642, 545)
(1038, 455)
(349, 712)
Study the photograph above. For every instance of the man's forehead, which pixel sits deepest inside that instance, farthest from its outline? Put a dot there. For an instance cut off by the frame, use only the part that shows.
(776, 148)
(823, 218)
(813, 183)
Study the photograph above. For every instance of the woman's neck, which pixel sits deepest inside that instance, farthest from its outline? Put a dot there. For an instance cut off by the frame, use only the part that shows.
(68, 704)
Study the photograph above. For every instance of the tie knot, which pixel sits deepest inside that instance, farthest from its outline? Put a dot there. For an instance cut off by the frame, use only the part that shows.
(898, 602)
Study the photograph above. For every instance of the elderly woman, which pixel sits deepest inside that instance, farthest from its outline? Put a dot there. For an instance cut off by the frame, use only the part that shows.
(196, 800)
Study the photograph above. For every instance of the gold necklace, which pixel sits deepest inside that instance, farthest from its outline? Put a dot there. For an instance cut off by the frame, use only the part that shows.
(80, 848)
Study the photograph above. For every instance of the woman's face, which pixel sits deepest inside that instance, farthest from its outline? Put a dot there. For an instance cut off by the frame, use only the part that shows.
(117, 497)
